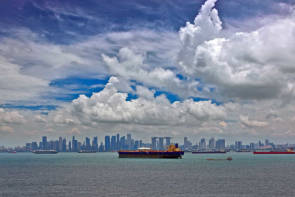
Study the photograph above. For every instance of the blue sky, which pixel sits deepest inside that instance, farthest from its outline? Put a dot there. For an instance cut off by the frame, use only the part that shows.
(52, 52)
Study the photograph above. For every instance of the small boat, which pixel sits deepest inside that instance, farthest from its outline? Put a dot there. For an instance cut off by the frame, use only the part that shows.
(214, 159)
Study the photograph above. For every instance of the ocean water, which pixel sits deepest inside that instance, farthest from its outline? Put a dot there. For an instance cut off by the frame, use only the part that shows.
(104, 174)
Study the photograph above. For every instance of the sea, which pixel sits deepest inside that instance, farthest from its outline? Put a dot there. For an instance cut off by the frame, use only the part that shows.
(104, 174)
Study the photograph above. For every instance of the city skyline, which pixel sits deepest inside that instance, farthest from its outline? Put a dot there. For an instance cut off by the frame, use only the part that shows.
(152, 68)
(117, 142)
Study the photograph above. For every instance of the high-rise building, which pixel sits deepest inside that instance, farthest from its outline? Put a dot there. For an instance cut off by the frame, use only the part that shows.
(101, 147)
(154, 143)
(267, 142)
(161, 143)
(220, 144)
(107, 143)
(168, 141)
(113, 143)
(186, 143)
(238, 145)
(95, 144)
(64, 145)
(87, 143)
(70, 146)
(44, 143)
(129, 139)
(212, 143)
(202, 144)
(74, 145)
(34, 146)
(59, 144)
(123, 143)
(118, 142)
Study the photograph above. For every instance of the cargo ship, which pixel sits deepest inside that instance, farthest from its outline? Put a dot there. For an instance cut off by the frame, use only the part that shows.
(288, 151)
(173, 152)
(209, 152)
(45, 151)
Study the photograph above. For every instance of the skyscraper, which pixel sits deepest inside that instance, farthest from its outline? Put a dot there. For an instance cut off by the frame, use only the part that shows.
(118, 142)
(95, 144)
(220, 144)
(87, 142)
(107, 143)
(64, 145)
(129, 139)
(202, 144)
(44, 143)
(161, 143)
(212, 143)
(154, 143)
(238, 145)
(113, 143)
(59, 144)
(74, 145)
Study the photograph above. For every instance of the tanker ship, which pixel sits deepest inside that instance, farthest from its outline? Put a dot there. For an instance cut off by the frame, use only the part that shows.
(173, 152)
(288, 151)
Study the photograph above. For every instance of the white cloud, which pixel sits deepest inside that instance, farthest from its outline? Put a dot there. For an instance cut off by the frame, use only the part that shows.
(252, 123)
(111, 106)
(131, 66)
(246, 65)
(11, 117)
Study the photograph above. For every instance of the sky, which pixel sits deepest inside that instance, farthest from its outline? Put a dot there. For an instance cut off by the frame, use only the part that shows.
(215, 68)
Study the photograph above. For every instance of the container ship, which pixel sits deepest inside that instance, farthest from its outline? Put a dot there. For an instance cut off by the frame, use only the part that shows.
(173, 152)
(288, 151)
(45, 151)
(209, 152)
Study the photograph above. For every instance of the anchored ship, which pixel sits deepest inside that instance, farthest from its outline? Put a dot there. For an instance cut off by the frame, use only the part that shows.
(45, 152)
(209, 152)
(288, 151)
(173, 152)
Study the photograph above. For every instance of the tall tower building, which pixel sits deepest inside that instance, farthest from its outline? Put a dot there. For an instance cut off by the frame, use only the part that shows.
(60, 144)
(87, 143)
(154, 143)
(95, 144)
(113, 143)
(212, 143)
(129, 141)
(161, 143)
(64, 145)
(118, 142)
(220, 144)
(202, 144)
(44, 143)
(107, 143)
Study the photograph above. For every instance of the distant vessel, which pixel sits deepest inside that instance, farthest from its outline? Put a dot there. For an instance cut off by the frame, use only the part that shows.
(173, 152)
(213, 159)
(87, 151)
(45, 151)
(209, 152)
(288, 151)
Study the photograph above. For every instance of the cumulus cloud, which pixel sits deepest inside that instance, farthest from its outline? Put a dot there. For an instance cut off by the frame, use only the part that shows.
(246, 65)
(252, 123)
(111, 106)
(11, 117)
(131, 66)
